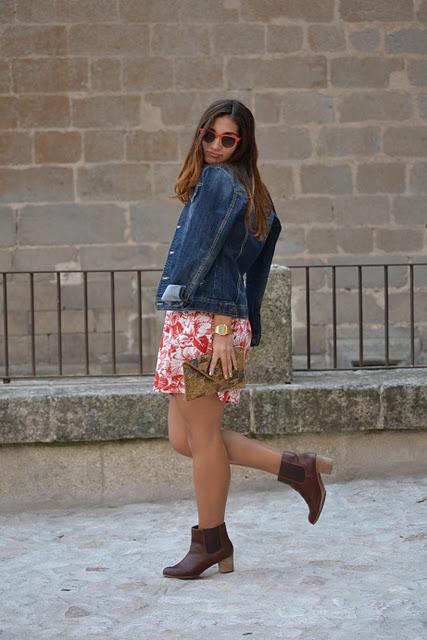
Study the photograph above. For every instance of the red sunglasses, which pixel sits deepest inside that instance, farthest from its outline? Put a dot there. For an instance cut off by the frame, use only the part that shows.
(228, 140)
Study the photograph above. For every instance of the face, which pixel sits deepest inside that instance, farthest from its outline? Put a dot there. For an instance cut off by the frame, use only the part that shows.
(214, 152)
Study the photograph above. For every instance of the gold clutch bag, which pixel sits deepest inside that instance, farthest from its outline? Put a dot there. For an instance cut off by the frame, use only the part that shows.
(198, 382)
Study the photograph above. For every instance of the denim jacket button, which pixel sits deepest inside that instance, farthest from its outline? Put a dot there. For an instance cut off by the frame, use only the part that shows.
(165, 278)
(178, 226)
(170, 251)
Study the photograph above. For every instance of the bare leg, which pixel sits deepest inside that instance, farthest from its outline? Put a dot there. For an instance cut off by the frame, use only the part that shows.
(211, 467)
(240, 449)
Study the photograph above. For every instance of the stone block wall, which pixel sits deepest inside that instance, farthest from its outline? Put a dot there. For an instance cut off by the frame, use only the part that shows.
(98, 104)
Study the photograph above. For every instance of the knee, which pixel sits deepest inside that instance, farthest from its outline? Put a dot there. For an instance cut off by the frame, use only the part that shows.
(180, 447)
(200, 437)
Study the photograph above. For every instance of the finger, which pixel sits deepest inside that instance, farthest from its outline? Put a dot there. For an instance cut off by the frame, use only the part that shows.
(224, 366)
(212, 364)
(230, 365)
(234, 358)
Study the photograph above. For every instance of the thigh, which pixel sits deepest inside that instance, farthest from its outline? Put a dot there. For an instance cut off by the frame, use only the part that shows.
(202, 416)
(177, 428)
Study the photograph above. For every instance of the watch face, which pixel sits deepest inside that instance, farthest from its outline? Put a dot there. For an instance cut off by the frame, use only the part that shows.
(221, 329)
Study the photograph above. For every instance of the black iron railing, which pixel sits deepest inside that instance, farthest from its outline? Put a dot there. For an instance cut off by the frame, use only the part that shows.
(362, 361)
(7, 374)
(7, 283)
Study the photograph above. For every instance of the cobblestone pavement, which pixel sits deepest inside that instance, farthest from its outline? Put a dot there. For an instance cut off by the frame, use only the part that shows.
(359, 573)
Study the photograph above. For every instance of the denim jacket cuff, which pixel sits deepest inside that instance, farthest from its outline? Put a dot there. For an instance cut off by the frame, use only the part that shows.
(174, 293)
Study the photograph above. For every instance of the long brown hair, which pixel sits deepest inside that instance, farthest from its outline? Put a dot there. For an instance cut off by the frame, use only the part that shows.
(243, 163)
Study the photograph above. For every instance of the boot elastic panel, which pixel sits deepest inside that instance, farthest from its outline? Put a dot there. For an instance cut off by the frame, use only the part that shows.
(293, 472)
(212, 539)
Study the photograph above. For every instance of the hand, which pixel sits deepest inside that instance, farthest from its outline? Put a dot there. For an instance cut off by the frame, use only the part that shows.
(223, 350)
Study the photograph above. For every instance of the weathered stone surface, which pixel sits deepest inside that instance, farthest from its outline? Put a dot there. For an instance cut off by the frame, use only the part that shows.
(410, 40)
(126, 408)
(365, 10)
(161, 11)
(405, 141)
(317, 178)
(280, 180)
(309, 209)
(106, 74)
(365, 40)
(285, 143)
(153, 220)
(237, 39)
(179, 40)
(409, 210)
(7, 227)
(39, 40)
(98, 570)
(151, 73)
(361, 210)
(146, 146)
(374, 105)
(57, 146)
(307, 107)
(417, 71)
(103, 145)
(310, 10)
(43, 111)
(369, 71)
(270, 361)
(299, 71)
(422, 104)
(108, 39)
(398, 240)
(37, 184)
(72, 224)
(326, 37)
(50, 75)
(15, 148)
(125, 181)
(381, 177)
(418, 177)
(108, 111)
(344, 141)
(284, 38)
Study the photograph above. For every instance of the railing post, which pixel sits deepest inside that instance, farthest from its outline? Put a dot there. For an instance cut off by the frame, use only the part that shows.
(271, 360)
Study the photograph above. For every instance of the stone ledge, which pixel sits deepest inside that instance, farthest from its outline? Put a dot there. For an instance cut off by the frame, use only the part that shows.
(106, 409)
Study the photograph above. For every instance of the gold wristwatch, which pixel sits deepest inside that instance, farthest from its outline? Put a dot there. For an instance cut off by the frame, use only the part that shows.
(223, 329)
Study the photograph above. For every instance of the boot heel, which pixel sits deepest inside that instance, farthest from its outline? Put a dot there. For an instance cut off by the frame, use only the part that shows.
(226, 565)
(323, 465)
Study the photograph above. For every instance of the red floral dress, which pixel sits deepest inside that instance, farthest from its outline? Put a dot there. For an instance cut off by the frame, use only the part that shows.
(187, 335)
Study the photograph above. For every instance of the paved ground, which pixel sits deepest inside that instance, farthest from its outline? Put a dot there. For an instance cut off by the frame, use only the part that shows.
(359, 573)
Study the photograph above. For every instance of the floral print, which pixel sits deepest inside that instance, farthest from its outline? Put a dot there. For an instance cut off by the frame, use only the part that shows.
(187, 335)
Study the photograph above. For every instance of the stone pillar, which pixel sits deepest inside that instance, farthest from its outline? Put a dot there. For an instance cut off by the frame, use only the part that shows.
(271, 360)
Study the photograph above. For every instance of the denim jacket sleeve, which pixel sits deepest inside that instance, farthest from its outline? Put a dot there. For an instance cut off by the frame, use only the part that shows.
(257, 278)
(211, 215)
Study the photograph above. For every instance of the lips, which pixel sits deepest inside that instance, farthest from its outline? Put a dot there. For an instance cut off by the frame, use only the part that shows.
(214, 155)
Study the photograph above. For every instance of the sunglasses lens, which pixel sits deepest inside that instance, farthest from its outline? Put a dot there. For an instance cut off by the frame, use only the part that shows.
(228, 141)
(209, 137)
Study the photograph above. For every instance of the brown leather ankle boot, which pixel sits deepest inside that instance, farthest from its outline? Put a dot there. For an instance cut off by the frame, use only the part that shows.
(302, 472)
(208, 547)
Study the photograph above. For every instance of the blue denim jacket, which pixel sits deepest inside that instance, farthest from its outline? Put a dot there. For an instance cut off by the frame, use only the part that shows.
(214, 264)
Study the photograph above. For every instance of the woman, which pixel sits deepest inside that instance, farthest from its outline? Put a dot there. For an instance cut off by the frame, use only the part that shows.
(227, 231)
